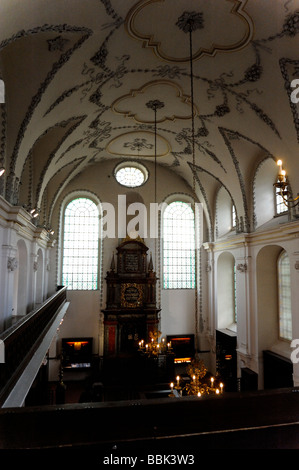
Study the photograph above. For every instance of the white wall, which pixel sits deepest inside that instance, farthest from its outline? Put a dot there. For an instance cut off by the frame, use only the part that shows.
(178, 311)
(225, 290)
(264, 191)
(267, 295)
(223, 212)
(82, 318)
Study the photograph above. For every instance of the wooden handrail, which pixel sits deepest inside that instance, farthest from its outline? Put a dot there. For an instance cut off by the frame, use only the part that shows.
(22, 340)
(250, 420)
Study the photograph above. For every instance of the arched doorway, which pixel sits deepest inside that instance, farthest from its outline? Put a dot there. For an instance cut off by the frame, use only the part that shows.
(274, 353)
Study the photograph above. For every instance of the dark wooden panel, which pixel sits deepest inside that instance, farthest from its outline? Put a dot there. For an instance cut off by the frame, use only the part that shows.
(249, 379)
(226, 359)
(278, 371)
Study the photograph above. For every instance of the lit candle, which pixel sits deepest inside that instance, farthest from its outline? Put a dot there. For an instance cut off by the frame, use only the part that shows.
(199, 394)
(171, 386)
(279, 163)
(212, 381)
(217, 391)
(221, 387)
(193, 378)
(283, 172)
(178, 380)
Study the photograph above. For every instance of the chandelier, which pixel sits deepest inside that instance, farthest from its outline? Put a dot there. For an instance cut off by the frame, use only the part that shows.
(283, 188)
(154, 347)
(199, 384)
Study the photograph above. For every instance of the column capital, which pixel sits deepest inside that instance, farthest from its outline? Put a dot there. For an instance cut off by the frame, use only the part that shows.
(208, 246)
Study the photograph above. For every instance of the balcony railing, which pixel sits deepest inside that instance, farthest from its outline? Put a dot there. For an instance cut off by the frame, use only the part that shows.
(23, 338)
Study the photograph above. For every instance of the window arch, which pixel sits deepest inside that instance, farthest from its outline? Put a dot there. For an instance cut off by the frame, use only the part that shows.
(178, 246)
(284, 296)
(80, 245)
(280, 207)
(234, 216)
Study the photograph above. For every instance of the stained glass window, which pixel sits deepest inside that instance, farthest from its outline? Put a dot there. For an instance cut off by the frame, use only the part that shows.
(80, 245)
(178, 246)
(284, 293)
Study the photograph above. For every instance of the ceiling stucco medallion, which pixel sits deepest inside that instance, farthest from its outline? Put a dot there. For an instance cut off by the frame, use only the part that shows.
(210, 37)
(134, 104)
(138, 144)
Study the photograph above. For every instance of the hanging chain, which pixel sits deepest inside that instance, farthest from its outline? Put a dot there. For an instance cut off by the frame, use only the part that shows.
(155, 105)
(156, 265)
(194, 182)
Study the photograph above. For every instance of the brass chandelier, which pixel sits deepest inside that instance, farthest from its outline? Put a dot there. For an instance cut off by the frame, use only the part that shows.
(282, 186)
(154, 347)
(199, 384)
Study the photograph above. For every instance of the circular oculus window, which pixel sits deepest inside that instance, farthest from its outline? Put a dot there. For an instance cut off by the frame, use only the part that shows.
(130, 175)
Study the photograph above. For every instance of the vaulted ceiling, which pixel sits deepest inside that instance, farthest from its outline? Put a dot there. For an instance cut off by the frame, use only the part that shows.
(79, 76)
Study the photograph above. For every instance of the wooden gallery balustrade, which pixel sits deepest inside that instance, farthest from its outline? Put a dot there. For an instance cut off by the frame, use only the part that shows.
(23, 338)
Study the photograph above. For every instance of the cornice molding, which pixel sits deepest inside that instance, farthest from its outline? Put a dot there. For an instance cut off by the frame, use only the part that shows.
(286, 232)
(18, 219)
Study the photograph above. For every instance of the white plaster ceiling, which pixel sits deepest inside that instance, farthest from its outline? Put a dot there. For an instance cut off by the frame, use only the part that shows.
(79, 74)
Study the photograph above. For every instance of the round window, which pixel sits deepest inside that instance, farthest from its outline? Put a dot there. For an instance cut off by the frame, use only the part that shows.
(131, 175)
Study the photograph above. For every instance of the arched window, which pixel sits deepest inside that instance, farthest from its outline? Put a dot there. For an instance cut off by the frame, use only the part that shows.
(178, 246)
(280, 207)
(284, 297)
(80, 245)
(234, 216)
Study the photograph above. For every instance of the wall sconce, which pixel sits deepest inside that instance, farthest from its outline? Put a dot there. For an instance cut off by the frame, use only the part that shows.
(34, 213)
(50, 230)
(282, 186)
